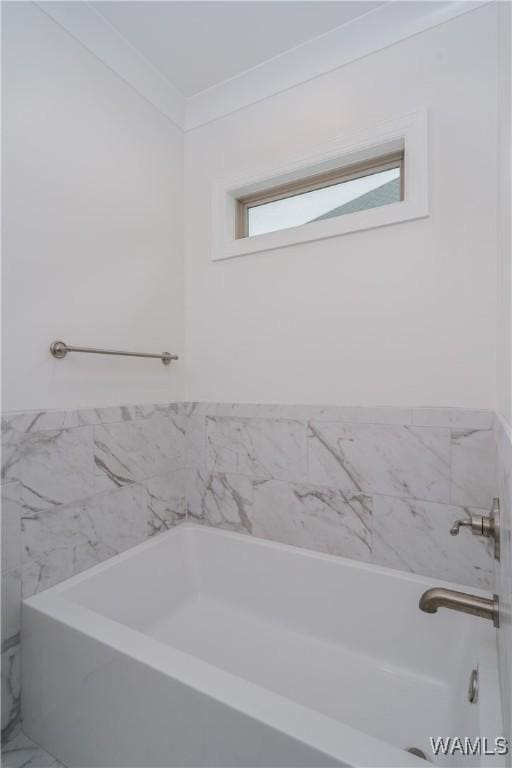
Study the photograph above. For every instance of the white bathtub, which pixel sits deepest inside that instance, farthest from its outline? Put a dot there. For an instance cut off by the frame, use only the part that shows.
(207, 648)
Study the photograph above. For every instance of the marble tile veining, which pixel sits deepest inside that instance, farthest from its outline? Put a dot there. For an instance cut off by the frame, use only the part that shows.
(473, 461)
(11, 599)
(221, 500)
(23, 422)
(21, 752)
(64, 541)
(257, 447)
(454, 418)
(325, 519)
(108, 415)
(195, 437)
(396, 460)
(415, 536)
(368, 483)
(11, 610)
(53, 466)
(37, 421)
(130, 452)
(11, 688)
(11, 526)
(173, 410)
(63, 463)
(166, 499)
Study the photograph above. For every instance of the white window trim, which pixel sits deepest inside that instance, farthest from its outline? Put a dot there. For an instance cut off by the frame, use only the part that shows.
(408, 132)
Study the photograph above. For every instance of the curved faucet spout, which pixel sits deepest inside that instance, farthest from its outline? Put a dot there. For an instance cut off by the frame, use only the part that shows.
(439, 597)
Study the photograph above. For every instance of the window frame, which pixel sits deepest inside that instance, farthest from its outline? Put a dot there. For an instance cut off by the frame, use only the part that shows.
(364, 142)
(311, 183)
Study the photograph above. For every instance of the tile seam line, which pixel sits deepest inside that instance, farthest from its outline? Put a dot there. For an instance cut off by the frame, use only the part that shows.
(258, 479)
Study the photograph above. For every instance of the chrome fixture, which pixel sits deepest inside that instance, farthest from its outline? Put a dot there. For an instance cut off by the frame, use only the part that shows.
(481, 525)
(59, 350)
(438, 597)
(473, 687)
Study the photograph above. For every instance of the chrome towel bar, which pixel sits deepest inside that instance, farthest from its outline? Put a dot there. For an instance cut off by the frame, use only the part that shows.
(59, 349)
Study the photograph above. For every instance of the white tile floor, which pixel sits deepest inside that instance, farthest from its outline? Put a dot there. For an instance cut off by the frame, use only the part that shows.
(20, 752)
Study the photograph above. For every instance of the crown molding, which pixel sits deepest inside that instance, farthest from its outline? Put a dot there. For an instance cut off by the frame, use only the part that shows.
(94, 32)
(375, 30)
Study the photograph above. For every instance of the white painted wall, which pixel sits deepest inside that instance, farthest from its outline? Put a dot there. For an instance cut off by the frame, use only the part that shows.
(504, 358)
(92, 248)
(93, 237)
(504, 243)
(400, 315)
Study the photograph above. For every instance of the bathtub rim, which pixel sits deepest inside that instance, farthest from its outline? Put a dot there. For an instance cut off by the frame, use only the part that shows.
(257, 541)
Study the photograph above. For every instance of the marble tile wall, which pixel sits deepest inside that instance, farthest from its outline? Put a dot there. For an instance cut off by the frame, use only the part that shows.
(503, 436)
(381, 485)
(77, 488)
(21, 752)
(11, 599)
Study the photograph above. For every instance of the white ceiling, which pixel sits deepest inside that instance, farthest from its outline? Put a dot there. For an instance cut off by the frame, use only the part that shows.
(200, 60)
(198, 44)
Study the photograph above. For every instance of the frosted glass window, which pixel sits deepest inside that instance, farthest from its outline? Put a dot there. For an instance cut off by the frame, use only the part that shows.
(317, 198)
